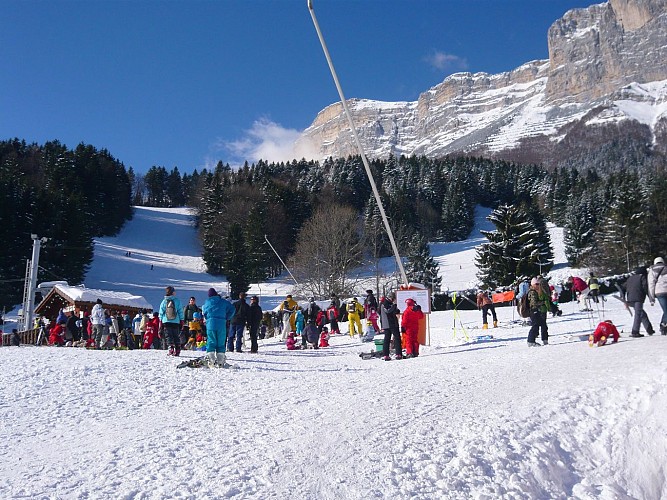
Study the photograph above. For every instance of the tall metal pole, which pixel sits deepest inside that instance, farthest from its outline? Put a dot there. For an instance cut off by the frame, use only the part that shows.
(399, 263)
(29, 306)
(281, 260)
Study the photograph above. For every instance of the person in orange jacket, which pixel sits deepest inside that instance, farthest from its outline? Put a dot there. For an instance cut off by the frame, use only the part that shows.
(410, 327)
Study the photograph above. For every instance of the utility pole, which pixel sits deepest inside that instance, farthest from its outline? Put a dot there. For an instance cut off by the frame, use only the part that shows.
(31, 283)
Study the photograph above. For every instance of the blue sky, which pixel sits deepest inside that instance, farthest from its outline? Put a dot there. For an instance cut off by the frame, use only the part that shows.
(188, 83)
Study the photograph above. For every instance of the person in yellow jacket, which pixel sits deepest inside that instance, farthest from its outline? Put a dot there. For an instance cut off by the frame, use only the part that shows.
(289, 304)
(354, 311)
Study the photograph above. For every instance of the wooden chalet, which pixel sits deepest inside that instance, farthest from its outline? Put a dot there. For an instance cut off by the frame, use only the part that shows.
(79, 299)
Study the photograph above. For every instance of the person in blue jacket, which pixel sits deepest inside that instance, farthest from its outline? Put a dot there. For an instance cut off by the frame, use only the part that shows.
(171, 316)
(217, 312)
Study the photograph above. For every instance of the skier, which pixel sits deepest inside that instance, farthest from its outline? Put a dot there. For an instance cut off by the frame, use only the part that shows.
(636, 289)
(171, 316)
(239, 322)
(657, 289)
(389, 318)
(579, 286)
(370, 302)
(217, 312)
(287, 309)
(594, 286)
(410, 326)
(312, 311)
(255, 316)
(538, 301)
(332, 316)
(354, 311)
(97, 320)
(485, 304)
(151, 337)
(299, 323)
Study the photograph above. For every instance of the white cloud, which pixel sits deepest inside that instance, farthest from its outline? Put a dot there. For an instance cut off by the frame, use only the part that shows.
(265, 140)
(443, 61)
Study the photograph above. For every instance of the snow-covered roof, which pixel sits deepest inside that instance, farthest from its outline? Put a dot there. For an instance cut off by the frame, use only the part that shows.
(108, 297)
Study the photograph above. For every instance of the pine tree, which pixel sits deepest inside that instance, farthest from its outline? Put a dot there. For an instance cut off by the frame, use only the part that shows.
(579, 232)
(236, 267)
(421, 267)
(513, 249)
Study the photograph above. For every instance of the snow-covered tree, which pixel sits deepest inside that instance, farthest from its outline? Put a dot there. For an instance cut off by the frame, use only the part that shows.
(513, 250)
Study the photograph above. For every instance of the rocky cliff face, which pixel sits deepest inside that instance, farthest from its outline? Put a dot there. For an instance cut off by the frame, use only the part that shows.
(606, 77)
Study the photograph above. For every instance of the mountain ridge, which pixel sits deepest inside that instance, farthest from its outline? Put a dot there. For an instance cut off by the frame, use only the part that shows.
(540, 112)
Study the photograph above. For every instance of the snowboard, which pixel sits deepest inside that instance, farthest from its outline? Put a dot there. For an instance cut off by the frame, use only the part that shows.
(200, 362)
(371, 355)
(482, 338)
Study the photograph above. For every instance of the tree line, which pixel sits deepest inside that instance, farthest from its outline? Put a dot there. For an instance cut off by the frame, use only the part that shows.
(321, 219)
(67, 196)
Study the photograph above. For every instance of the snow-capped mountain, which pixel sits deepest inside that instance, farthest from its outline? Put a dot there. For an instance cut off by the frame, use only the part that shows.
(605, 81)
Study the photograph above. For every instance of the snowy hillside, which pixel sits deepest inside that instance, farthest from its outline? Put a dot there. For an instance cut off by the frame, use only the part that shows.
(466, 419)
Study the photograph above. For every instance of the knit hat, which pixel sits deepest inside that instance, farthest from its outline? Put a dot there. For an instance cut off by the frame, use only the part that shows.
(658, 260)
(535, 281)
(212, 292)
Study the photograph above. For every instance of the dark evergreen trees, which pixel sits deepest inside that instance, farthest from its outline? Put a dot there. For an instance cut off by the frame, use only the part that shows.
(421, 267)
(67, 196)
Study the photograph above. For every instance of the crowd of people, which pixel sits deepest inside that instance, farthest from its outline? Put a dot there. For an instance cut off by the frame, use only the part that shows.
(220, 324)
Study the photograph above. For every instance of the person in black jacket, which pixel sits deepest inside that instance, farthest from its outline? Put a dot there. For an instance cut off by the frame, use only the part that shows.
(254, 322)
(389, 319)
(238, 323)
(636, 289)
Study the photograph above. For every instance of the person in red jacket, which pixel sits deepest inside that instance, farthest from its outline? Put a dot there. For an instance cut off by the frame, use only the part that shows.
(57, 335)
(410, 326)
(152, 329)
(603, 331)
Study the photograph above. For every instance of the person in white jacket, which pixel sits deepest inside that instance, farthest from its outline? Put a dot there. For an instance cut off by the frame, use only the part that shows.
(97, 319)
(657, 289)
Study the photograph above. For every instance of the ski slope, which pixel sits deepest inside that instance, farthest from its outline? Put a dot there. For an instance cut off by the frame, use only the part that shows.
(466, 419)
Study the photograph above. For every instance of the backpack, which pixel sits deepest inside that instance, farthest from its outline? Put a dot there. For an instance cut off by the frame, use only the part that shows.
(170, 310)
(523, 307)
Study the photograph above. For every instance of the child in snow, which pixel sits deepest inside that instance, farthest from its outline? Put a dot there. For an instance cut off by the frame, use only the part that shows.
(410, 326)
(604, 330)
(194, 328)
(57, 334)
(324, 337)
(299, 321)
(369, 332)
(290, 343)
(151, 335)
(373, 317)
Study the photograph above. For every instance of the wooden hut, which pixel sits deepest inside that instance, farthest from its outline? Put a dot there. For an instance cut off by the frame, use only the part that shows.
(79, 299)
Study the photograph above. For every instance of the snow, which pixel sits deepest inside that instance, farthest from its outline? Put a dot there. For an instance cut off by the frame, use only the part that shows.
(465, 419)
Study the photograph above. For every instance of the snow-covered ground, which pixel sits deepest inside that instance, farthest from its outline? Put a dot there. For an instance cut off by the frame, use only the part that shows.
(466, 419)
